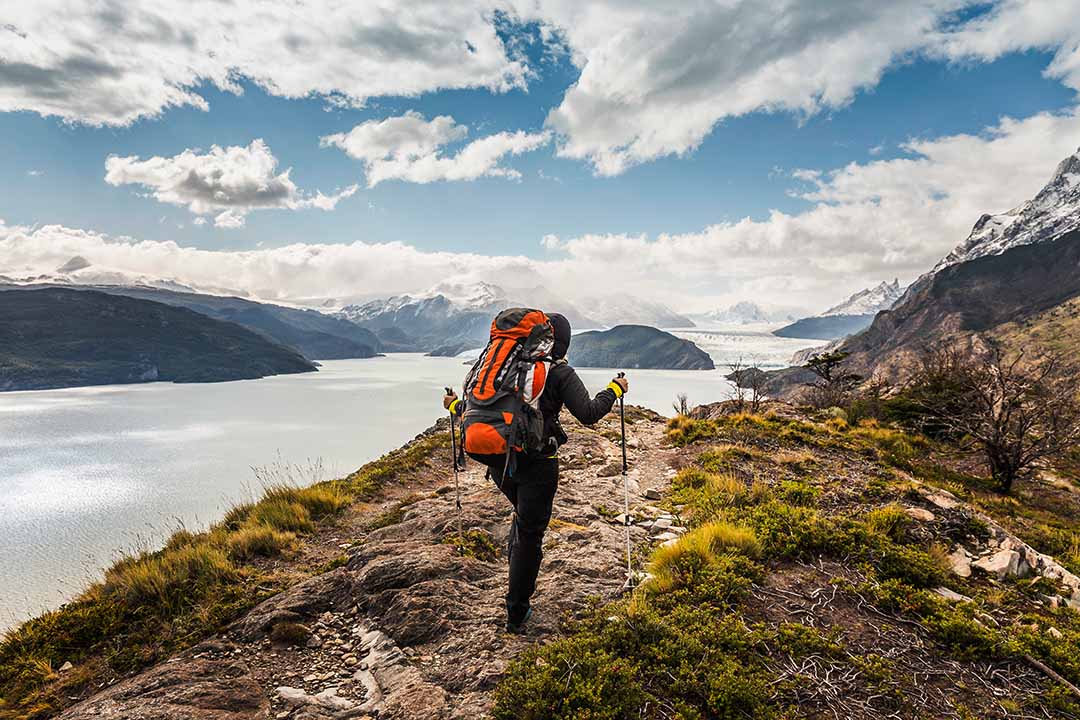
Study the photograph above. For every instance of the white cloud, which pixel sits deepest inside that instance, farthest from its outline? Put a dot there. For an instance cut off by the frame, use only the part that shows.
(35, 173)
(1017, 26)
(656, 77)
(866, 222)
(410, 148)
(113, 62)
(227, 182)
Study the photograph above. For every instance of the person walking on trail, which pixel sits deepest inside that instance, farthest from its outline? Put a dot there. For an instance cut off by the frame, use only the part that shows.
(527, 472)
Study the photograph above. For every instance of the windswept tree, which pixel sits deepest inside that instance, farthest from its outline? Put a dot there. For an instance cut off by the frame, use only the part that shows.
(834, 384)
(1016, 411)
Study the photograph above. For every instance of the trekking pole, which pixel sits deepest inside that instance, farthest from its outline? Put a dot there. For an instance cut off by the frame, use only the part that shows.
(454, 460)
(626, 491)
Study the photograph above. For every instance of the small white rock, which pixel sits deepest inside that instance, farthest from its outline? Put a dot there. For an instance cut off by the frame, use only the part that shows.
(920, 514)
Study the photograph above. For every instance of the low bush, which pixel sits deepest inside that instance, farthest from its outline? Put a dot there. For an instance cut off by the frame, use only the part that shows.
(682, 430)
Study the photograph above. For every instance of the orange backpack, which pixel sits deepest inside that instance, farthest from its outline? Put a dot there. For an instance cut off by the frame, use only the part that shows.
(502, 390)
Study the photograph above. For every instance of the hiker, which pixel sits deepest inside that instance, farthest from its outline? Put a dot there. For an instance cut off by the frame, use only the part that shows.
(532, 477)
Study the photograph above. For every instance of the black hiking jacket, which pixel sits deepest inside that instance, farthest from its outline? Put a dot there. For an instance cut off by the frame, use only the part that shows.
(564, 388)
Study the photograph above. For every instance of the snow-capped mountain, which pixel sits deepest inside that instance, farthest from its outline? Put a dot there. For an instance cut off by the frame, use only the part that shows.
(625, 309)
(1050, 214)
(453, 316)
(744, 312)
(869, 301)
(1012, 283)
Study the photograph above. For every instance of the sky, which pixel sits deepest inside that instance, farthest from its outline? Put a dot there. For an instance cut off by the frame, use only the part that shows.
(698, 152)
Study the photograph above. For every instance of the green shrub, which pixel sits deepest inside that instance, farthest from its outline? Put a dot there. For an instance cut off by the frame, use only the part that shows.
(682, 430)
(889, 521)
(573, 678)
(798, 492)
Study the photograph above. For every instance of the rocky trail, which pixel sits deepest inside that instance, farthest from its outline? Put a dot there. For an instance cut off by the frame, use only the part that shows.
(399, 623)
(407, 627)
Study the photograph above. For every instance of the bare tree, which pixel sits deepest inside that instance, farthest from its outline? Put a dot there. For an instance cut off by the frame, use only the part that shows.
(749, 381)
(681, 404)
(738, 397)
(1014, 411)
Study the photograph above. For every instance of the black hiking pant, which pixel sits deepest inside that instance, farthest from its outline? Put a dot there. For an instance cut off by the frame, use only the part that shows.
(531, 490)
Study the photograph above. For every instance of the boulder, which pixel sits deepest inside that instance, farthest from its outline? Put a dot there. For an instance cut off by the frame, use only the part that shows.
(301, 603)
(960, 562)
(1004, 563)
(943, 499)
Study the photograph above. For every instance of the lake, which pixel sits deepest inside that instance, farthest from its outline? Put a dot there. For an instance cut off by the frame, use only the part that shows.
(88, 472)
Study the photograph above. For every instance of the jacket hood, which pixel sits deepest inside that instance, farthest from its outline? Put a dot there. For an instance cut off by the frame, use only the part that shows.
(561, 327)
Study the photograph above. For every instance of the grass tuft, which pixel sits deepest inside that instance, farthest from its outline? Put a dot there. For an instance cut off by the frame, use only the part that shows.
(673, 564)
(257, 540)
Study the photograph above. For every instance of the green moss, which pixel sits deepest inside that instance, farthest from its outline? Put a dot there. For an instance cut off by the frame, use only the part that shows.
(477, 544)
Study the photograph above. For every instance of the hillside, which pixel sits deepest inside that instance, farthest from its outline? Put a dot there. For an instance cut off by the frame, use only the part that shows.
(316, 335)
(970, 301)
(58, 337)
(636, 346)
(798, 568)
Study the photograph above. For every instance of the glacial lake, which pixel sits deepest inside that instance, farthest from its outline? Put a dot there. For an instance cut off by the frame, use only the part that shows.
(87, 473)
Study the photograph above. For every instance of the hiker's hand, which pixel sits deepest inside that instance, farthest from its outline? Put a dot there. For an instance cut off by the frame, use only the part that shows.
(448, 399)
(623, 384)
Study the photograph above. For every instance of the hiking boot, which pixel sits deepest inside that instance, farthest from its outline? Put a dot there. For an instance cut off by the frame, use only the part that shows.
(518, 628)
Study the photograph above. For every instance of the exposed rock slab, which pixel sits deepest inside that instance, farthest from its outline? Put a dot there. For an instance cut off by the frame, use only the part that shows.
(184, 689)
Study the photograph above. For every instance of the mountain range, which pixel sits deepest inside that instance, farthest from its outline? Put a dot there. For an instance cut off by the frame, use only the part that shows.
(453, 317)
(314, 334)
(849, 317)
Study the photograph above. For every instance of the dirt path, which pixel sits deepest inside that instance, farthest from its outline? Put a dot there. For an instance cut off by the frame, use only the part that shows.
(407, 628)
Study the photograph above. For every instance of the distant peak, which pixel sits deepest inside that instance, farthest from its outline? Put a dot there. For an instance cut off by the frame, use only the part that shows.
(75, 264)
